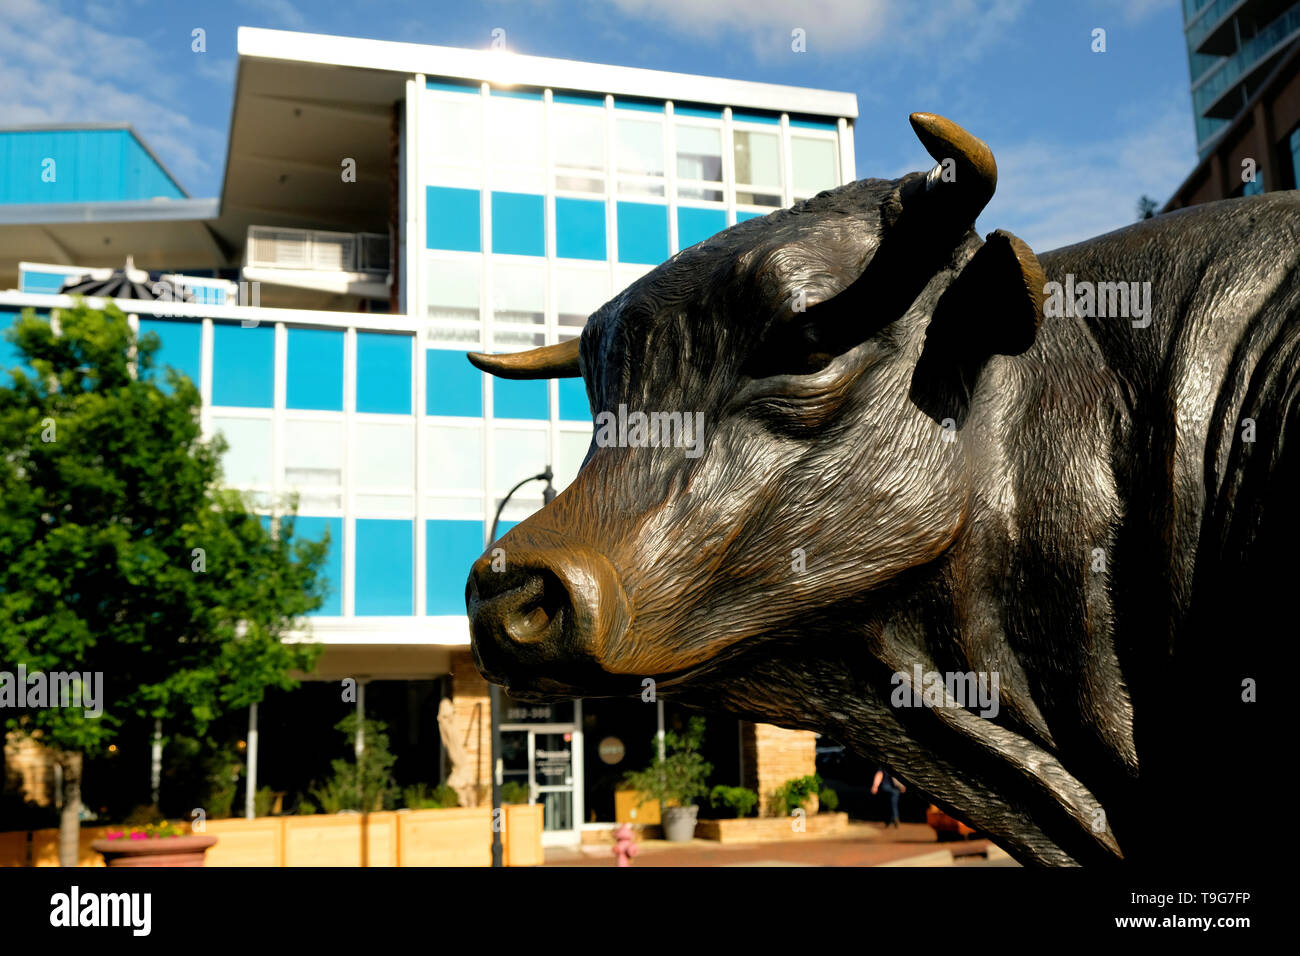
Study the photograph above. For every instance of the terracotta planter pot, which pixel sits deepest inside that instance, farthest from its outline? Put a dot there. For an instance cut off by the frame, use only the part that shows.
(155, 851)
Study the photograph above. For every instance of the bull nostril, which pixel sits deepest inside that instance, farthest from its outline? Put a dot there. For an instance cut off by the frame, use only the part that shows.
(546, 603)
(539, 602)
(528, 627)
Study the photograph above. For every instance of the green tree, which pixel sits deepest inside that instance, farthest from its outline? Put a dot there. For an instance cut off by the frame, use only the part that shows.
(1147, 207)
(120, 553)
(364, 783)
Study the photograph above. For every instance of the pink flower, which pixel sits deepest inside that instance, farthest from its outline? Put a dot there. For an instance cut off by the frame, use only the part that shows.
(113, 834)
(138, 836)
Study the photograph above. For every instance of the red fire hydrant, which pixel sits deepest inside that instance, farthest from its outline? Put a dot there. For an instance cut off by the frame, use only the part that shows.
(625, 845)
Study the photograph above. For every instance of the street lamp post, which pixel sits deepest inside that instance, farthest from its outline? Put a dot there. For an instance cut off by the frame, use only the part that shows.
(494, 692)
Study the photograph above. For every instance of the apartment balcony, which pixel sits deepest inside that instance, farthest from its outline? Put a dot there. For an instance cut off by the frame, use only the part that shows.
(1223, 90)
(305, 261)
(1220, 27)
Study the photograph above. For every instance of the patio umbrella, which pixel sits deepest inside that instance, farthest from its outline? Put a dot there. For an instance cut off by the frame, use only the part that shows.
(125, 283)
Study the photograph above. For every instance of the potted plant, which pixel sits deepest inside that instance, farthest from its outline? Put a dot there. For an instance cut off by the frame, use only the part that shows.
(676, 780)
(157, 844)
(806, 793)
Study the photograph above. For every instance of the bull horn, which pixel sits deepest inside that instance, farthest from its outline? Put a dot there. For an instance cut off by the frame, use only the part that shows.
(550, 361)
(974, 175)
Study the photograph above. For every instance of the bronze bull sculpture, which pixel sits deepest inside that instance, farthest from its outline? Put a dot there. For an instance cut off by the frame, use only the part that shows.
(931, 459)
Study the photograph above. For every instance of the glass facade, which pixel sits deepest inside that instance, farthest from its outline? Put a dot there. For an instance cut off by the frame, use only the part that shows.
(535, 207)
(522, 211)
(1231, 46)
(1293, 142)
(555, 203)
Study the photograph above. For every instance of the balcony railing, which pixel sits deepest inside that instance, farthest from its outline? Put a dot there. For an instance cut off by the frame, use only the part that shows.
(1207, 97)
(316, 250)
(1210, 16)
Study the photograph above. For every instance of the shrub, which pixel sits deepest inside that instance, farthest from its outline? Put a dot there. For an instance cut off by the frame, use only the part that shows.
(793, 794)
(367, 787)
(143, 815)
(336, 794)
(515, 792)
(420, 797)
(201, 772)
(221, 772)
(740, 800)
(680, 776)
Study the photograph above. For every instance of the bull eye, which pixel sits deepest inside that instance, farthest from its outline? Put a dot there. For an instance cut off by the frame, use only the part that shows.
(794, 349)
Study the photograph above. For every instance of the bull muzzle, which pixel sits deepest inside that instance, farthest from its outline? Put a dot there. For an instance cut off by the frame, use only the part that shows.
(542, 615)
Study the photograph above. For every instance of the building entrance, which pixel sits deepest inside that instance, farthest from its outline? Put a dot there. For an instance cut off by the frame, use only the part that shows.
(541, 749)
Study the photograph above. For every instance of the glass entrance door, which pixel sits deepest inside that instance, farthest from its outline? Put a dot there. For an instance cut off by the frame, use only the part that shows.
(553, 777)
(542, 750)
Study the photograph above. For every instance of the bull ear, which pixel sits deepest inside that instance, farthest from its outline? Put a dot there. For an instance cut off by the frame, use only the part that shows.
(995, 304)
(550, 361)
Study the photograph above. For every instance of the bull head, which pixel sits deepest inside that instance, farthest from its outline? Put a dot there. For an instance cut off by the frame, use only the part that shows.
(838, 354)
(589, 595)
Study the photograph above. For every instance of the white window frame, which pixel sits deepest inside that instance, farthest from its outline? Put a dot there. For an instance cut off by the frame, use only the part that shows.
(828, 136)
(776, 189)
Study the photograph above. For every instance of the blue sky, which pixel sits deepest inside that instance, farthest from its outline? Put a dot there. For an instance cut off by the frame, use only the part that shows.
(1078, 135)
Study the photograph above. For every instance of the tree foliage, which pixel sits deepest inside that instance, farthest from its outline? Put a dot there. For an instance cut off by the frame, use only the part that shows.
(364, 784)
(120, 552)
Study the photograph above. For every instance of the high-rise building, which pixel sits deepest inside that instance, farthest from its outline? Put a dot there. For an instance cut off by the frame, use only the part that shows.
(1244, 57)
(1232, 46)
(385, 208)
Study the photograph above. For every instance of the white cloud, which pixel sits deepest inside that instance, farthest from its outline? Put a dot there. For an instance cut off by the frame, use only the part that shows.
(37, 87)
(1135, 11)
(831, 26)
(1053, 193)
(283, 12)
(216, 69)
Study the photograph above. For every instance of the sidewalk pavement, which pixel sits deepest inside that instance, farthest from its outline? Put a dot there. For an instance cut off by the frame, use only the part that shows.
(861, 844)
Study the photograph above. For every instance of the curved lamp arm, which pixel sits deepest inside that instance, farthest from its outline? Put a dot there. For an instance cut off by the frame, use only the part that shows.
(548, 495)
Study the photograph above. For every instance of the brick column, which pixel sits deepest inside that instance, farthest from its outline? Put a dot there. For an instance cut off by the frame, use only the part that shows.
(771, 756)
(469, 692)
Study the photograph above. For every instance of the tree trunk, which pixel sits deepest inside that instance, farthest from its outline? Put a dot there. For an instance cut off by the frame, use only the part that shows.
(70, 815)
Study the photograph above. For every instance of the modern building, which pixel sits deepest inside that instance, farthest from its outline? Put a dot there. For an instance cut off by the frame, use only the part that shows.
(1232, 47)
(385, 208)
(1254, 146)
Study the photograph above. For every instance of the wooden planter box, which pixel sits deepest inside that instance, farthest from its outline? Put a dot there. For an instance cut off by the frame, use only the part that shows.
(256, 842)
(769, 829)
(155, 851)
(458, 836)
(522, 838)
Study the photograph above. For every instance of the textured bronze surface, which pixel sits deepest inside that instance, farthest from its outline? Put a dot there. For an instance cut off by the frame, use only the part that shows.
(906, 464)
